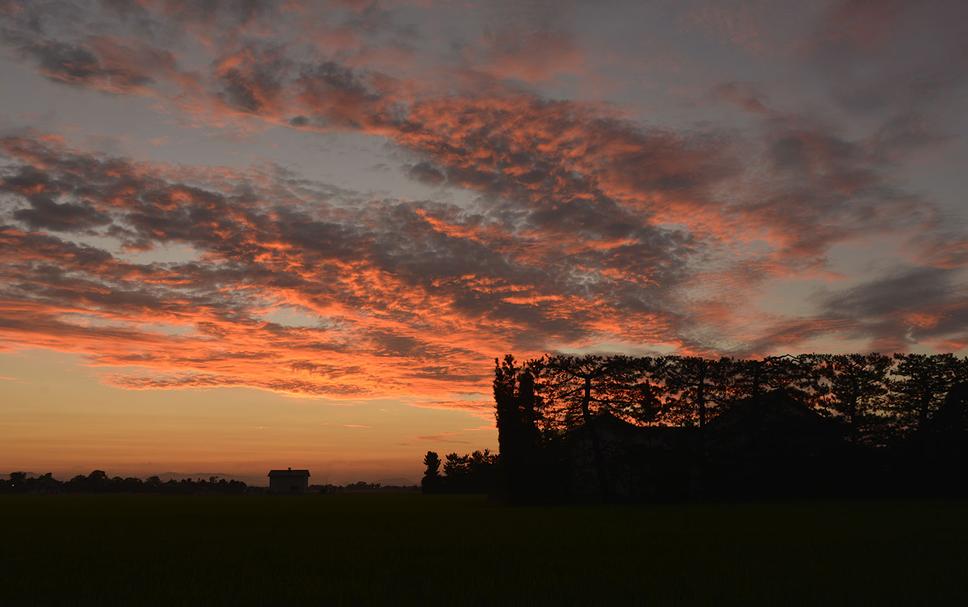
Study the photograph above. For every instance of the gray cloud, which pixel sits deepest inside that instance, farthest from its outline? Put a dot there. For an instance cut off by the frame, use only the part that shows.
(904, 307)
(582, 225)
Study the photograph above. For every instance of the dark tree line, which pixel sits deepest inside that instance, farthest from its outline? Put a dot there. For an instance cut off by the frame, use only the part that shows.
(471, 473)
(877, 400)
(879, 397)
(99, 482)
(362, 487)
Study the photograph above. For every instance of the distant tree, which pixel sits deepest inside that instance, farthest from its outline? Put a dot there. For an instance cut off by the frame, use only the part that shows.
(432, 462)
(959, 369)
(99, 482)
(475, 472)
(651, 391)
(630, 388)
(481, 471)
(804, 378)
(482, 461)
(877, 397)
(950, 421)
(507, 412)
(516, 416)
(857, 389)
(920, 384)
(800, 375)
(456, 466)
(18, 481)
(129, 484)
(98, 479)
(431, 478)
(695, 386)
(527, 406)
(576, 388)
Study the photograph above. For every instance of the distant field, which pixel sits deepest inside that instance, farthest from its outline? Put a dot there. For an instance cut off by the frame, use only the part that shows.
(407, 549)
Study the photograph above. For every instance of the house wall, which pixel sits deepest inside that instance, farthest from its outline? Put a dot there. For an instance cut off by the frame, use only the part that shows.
(288, 484)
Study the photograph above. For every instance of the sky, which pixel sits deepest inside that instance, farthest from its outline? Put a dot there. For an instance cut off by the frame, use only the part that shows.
(238, 235)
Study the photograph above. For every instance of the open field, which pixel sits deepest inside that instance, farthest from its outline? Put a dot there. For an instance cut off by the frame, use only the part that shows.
(405, 549)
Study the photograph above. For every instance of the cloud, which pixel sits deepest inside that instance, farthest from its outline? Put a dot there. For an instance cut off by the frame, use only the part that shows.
(876, 62)
(337, 96)
(904, 307)
(427, 173)
(102, 63)
(744, 95)
(251, 79)
(585, 227)
(867, 48)
(370, 273)
(444, 437)
(528, 42)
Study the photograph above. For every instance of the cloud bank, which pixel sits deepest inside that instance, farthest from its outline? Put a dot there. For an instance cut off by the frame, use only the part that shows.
(586, 228)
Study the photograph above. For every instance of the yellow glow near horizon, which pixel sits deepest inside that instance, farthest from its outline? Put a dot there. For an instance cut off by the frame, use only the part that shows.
(56, 417)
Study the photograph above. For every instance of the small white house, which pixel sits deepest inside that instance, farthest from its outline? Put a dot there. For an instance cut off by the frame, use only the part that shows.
(288, 481)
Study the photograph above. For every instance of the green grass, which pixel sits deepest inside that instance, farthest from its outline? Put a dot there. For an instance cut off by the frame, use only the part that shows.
(410, 549)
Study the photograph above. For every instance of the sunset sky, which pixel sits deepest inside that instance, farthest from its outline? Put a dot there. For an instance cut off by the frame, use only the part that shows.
(237, 235)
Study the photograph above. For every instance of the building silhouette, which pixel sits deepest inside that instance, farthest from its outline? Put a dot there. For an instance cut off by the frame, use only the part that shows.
(288, 481)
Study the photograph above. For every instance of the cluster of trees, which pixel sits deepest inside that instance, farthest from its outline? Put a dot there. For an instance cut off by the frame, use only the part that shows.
(879, 398)
(99, 482)
(476, 472)
(890, 409)
(364, 487)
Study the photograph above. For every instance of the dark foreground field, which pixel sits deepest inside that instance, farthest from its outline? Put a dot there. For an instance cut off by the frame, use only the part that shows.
(407, 549)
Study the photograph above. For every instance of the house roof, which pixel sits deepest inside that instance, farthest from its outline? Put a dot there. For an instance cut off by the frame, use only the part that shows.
(610, 427)
(771, 408)
(953, 414)
(777, 419)
(288, 472)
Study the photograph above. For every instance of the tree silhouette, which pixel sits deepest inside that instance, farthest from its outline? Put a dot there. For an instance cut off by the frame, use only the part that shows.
(507, 413)
(456, 467)
(576, 388)
(516, 414)
(780, 408)
(630, 388)
(431, 478)
(694, 384)
(857, 387)
(921, 383)
(99, 482)
(753, 377)
(18, 480)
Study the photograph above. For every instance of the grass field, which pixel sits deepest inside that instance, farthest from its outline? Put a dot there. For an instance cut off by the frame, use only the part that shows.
(411, 549)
